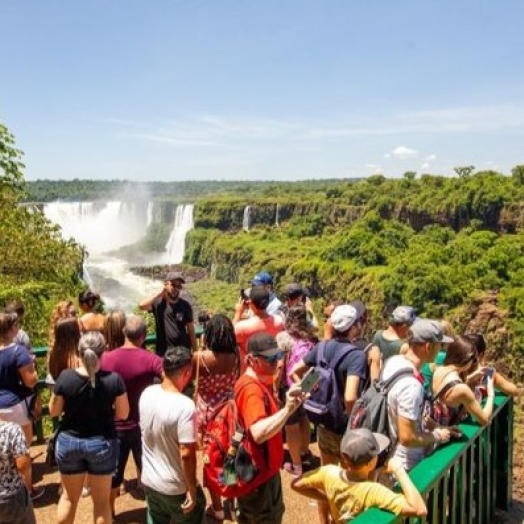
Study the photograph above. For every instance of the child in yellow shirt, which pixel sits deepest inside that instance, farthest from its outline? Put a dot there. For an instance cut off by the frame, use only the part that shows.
(348, 490)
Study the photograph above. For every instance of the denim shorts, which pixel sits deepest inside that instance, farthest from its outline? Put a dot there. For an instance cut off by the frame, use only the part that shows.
(96, 455)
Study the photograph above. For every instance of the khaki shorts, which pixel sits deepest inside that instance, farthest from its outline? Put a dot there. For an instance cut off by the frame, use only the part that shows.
(17, 414)
(329, 441)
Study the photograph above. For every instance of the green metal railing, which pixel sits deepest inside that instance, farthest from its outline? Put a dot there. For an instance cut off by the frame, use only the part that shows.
(465, 481)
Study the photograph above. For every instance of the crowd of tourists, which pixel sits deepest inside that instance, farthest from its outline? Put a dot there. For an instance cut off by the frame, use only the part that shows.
(253, 387)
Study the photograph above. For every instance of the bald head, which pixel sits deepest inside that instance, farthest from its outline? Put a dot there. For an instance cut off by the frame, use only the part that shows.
(135, 329)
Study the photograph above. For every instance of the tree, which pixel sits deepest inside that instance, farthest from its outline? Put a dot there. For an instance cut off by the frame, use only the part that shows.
(464, 171)
(410, 175)
(518, 174)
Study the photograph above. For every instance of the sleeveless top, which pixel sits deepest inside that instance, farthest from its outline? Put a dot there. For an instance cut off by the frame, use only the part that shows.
(213, 389)
(388, 348)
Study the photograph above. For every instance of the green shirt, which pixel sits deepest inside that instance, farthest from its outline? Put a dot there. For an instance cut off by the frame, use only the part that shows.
(388, 348)
(426, 372)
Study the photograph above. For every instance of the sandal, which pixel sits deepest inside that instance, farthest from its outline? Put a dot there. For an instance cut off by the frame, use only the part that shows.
(217, 514)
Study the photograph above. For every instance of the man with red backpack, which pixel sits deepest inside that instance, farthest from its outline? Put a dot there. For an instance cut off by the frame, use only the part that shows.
(259, 415)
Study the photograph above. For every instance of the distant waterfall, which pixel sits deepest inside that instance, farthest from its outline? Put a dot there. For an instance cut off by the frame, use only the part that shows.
(277, 216)
(100, 227)
(150, 215)
(176, 244)
(246, 221)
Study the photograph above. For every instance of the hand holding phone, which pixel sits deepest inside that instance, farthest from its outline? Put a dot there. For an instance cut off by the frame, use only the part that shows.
(309, 380)
(489, 372)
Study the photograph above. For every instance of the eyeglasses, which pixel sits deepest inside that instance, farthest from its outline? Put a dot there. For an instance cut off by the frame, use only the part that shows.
(273, 358)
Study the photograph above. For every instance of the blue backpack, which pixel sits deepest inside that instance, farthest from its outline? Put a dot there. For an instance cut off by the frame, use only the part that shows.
(326, 405)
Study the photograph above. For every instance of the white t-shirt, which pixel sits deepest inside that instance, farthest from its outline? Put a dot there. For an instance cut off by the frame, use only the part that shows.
(405, 398)
(167, 419)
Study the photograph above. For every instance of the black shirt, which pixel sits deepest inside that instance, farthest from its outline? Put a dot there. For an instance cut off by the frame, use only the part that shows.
(171, 321)
(88, 412)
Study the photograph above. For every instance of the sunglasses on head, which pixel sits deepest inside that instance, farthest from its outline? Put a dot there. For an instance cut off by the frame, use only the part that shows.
(273, 358)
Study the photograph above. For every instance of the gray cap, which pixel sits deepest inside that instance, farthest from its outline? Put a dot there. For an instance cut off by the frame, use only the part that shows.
(343, 317)
(361, 445)
(403, 315)
(174, 275)
(425, 330)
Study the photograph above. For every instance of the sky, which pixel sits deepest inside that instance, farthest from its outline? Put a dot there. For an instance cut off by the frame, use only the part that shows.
(277, 89)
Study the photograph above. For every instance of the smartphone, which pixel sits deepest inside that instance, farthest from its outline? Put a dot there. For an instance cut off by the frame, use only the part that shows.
(309, 380)
(489, 373)
(243, 295)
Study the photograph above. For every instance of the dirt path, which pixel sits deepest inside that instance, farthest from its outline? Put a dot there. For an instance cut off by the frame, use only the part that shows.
(131, 508)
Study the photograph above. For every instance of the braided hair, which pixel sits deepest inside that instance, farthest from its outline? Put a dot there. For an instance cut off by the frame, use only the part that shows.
(219, 334)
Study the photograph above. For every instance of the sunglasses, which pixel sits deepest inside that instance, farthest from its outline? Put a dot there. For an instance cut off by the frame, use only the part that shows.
(273, 358)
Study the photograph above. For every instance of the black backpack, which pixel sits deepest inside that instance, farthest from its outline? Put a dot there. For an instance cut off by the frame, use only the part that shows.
(325, 405)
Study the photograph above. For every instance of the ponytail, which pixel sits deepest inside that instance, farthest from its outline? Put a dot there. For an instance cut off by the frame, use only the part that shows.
(91, 346)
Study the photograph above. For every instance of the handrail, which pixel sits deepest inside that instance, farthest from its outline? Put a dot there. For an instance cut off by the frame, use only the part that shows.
(466, 480)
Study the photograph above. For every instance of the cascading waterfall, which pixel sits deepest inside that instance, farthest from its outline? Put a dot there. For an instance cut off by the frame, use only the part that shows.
(277, 216)
(246, 221)
(176, 244)
(153, 214)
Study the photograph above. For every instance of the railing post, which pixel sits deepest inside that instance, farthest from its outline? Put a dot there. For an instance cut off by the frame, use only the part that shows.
(504, 464)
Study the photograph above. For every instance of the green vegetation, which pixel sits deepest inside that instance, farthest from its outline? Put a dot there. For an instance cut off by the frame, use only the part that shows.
(36, 266)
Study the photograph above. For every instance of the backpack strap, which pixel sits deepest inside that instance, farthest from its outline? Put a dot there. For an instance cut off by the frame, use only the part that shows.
(450, 385)
(341, 354)
(391, 381)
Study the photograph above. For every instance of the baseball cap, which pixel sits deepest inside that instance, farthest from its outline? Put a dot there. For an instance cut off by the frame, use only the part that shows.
(176, 358)
(403, 315)
(361, 445)
(263, 344)
(262, 278)
(87, 296)
(174, 275)
(294, 290)
(426, 330)
(259, 297)
(343, 317)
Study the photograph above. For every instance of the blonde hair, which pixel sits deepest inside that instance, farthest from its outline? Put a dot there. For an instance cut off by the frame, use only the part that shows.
(61, 310)
(91, 346)
(7, 321)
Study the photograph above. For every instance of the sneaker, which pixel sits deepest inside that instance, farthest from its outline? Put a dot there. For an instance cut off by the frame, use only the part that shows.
(36, 493)
(296, 471)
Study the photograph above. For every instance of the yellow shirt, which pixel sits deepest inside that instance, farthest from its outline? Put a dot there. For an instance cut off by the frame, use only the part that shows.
(347, 499)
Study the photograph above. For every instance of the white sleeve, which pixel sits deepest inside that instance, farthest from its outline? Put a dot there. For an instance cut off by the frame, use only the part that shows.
(186, 429)
(410, 399)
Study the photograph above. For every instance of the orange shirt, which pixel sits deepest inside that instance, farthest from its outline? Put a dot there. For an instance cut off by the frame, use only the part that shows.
(250, 326)
(254, 402)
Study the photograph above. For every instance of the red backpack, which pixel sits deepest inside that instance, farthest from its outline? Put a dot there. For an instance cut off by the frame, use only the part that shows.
(232, 460)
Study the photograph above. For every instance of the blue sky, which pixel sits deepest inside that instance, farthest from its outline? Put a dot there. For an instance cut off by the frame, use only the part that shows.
(279, 89)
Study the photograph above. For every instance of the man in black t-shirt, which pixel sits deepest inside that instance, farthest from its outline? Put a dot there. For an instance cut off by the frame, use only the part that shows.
(173, 315)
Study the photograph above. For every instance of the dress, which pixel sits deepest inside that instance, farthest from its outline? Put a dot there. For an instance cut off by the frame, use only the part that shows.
(213, 389)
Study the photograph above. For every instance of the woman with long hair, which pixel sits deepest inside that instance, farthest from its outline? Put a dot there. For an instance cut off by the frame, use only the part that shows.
(89, 401)
(18, 377)
(114, 323)
(63, 354)
(64, 309)
(450, 390)
(216, 366)
(297, 426)
(479, 375)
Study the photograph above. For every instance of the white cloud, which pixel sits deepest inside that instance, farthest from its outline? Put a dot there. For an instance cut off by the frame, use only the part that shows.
(372, 166)
(378, 171)
(431, 158)
(404, 152)
(425, 165)
(387, 155)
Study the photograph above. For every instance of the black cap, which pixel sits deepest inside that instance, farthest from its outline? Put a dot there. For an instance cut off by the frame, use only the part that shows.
(294, 290)
(176, 358)
(262, 344)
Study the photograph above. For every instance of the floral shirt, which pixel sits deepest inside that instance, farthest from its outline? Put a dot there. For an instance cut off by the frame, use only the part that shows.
(12, 446)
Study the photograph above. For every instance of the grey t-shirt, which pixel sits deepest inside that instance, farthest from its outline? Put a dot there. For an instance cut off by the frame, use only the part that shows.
(167, 419)
(405, 398)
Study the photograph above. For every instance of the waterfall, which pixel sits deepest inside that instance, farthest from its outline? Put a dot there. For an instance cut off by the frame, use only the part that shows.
(153, 214)
(277, 216)
(246, 222)
(100, 227)
(176, 244)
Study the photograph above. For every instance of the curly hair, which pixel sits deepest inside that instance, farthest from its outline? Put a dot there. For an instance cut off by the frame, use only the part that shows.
(219, 335)
(297, 324)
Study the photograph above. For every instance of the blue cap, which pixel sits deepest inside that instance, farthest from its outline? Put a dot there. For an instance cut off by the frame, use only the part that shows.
(262, 278)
